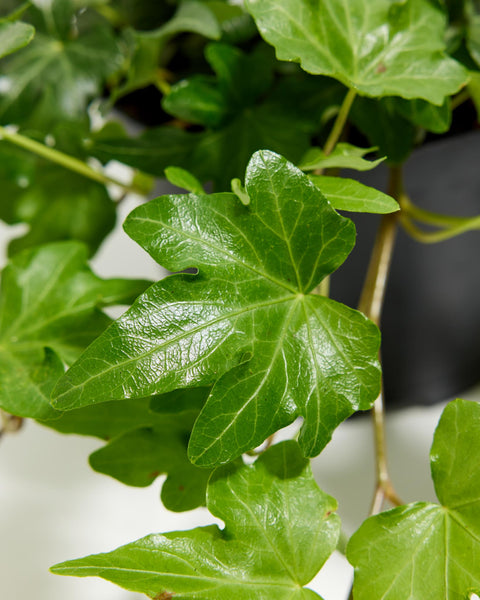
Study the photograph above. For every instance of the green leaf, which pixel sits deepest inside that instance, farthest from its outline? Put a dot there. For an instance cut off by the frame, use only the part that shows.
(49, 312)
(378, 49)
(139, 456)
(432, 118)
(250, 307)
(51, 79)
(183, 179)
(191, 16)
(474, 89)
(57, 205)
(344, 156)
(279, 530)
(14, 36)
(425, 550)
(384, 127)
(239, 191)
(348, 194)
(473, 30)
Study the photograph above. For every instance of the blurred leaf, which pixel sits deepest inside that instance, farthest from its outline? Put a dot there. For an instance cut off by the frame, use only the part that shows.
(249, 558)
(184, 179)
(376, 47)
(343, 156)
(49, 312)
(14, 36)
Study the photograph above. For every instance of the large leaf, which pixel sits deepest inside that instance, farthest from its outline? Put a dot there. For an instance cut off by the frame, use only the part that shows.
(14, 36)
(250, 307)
(425, 550)
(379, 48)
(279, 530)
(49, 312)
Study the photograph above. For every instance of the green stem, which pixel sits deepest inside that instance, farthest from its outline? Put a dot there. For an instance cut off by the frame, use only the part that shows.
(69, 162)
(340, 121)
(433, 237)
(428, 217)
(460, 98)
(371, 303)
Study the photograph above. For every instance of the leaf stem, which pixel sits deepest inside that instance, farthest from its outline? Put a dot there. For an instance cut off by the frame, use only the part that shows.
(371, 303)
(9, 423)
(340, 121)
(448, 232)
(460, 98)
(64, 160)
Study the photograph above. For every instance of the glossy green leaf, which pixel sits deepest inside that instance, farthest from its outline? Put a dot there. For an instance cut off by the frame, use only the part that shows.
(250, 307)
(279, 530)
(343, 156)
(57, 205)
(56, 79)
(183, 179)
(425, 550)
(348, 194)
(139, 456)
(14, 36)
(377, 48)
(49, 312)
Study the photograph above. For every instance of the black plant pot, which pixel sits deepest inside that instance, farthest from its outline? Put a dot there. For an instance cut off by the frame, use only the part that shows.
(431, 318)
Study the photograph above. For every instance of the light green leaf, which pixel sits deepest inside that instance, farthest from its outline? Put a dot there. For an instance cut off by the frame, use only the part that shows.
(250, 307)
(139, 456)
(379, 48)
(239, 190)
(183, 179)
(14, 36)
(279, 530)
(425, 550)
(49, 312)
(344, 156)
(348, 194)
(473, 29)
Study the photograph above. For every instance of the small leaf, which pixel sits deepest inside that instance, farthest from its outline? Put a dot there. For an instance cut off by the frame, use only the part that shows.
(425, 550)
(14, 36)
(348, 194)
(344, 156)
(279, 530)
(432, 118)
(239, 191)
(248, 321)
(380, 49)
(183, 179)
(49, 312)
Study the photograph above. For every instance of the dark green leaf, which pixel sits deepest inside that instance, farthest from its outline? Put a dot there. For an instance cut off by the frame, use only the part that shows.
(379, 49)
(257, 266)
(425, 550)
(344, 156)
(348, 194)
(49, 312)
(14, 36)
(139, 456)
(279, 530)
(432, 118)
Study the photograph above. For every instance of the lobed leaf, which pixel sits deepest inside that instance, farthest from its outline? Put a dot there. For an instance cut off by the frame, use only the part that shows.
(377, 48)
(49, 312)
(279, 530)
(248, 321)
(425, 550)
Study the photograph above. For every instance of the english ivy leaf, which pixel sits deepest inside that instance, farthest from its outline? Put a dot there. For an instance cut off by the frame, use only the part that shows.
(57, 78)
(344, 156)
(180, 400)
(425, 550)
(183, 179)
(58, 205)
(49, 312)
(348, 194)
(432, 118)
(14, 36)
(250, 307)
(250, 558)
(378, 49)
(138, 457)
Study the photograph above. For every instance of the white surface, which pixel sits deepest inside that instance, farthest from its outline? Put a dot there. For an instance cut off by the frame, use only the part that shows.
(54, 507)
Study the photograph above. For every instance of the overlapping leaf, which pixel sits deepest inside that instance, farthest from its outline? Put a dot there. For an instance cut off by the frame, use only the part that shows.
(343, 156)
(49, 312)
(379, 48)
(425, 550)
(279, 530)
(247, 321)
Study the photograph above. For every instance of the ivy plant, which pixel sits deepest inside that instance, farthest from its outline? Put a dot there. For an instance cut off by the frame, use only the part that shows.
(252, 111)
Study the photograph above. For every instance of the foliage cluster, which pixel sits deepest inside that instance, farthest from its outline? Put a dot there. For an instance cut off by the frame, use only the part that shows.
(261, 103)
